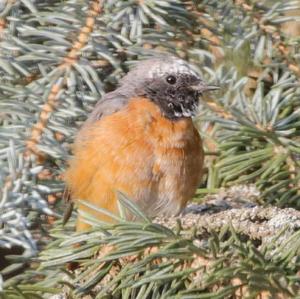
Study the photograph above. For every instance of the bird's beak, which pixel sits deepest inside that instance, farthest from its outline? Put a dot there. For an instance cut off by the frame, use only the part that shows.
(202, 87)
(211, 87)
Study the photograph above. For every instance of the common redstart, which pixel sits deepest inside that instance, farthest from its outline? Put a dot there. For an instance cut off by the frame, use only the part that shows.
(140, 140)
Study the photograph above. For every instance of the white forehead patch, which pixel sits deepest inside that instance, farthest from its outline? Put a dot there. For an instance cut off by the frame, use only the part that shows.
(170, 66)
(155, 68)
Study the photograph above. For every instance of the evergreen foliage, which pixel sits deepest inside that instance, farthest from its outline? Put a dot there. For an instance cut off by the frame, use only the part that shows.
(57, 58)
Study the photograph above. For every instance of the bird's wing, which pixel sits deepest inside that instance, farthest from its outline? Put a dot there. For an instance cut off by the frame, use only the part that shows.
(109, 104)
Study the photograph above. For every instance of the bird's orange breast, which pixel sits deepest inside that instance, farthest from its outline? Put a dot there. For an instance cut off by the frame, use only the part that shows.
(154, 160)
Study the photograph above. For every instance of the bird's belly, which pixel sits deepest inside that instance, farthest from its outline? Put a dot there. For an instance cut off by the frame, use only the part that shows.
(176, 174)
(176, 168)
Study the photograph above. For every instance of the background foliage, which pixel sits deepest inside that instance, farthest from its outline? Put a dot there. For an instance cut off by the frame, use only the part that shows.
(57, 58)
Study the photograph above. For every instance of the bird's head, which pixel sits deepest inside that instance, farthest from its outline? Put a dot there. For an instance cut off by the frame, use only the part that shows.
(173, 84)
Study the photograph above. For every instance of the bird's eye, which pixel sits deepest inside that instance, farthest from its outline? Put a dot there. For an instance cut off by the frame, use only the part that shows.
(171, 80)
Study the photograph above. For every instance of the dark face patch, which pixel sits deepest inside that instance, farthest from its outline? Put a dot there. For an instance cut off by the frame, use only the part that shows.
(174, 94)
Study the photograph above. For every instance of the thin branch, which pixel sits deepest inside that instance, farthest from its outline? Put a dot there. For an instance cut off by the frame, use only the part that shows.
(70, 59)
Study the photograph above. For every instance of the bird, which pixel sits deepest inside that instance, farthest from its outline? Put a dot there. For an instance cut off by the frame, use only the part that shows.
(140, 140)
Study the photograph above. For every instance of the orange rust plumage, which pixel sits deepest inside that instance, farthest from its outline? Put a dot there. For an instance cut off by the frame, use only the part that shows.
(136, 149)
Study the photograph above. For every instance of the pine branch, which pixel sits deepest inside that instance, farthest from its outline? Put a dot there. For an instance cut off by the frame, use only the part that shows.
(193, 255)
(274, 32)
(70, 60)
